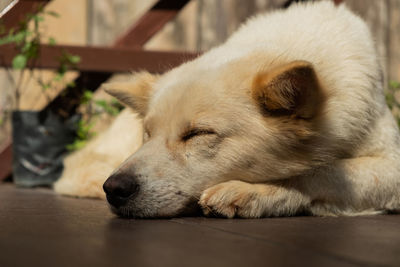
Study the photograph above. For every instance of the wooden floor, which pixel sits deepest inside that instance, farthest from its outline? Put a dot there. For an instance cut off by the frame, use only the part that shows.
(39, 228)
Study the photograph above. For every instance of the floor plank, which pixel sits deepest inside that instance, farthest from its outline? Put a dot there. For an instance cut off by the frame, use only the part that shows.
(362, 241)
(40, 228)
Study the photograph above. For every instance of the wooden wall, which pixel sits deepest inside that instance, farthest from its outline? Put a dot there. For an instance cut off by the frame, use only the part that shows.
(206, 23)
(383, 18)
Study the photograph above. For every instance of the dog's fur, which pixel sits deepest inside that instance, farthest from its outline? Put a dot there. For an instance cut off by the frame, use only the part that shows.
(287, 116)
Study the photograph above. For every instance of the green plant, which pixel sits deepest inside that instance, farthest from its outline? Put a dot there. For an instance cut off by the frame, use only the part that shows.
(26, 39)
(66, 62)
(392, 101)
(94, 108)
(394, 85)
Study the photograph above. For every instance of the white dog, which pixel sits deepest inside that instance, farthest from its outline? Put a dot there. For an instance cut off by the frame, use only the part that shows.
(288, 116)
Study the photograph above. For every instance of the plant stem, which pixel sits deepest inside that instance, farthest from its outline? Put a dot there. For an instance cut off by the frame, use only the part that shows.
(18, 88)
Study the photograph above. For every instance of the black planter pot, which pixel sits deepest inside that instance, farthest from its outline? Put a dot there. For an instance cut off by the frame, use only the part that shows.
(39, 146)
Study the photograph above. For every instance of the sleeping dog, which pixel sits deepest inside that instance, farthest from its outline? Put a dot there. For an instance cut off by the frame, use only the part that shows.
(288, 116)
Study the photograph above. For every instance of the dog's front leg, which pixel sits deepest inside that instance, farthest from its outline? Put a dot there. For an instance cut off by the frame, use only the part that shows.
(358, 186)
(241, 199)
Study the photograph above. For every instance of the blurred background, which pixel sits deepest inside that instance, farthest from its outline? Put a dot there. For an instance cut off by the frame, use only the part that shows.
(200, 25)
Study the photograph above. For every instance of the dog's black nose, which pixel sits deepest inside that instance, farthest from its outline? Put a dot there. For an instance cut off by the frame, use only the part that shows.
(119, 188)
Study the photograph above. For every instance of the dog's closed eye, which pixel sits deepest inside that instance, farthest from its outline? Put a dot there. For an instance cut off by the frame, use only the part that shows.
(197, 132)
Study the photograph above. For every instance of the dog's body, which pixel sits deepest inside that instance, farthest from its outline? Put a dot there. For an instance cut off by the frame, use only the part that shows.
(287, 116)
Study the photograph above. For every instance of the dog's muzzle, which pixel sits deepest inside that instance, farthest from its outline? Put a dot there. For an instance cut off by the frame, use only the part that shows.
(119, 188)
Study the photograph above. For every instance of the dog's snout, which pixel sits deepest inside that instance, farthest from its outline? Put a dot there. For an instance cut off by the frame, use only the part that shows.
(119, 188)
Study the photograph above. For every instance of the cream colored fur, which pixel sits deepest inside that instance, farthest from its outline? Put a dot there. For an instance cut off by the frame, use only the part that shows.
(342, 161)
(86, 170)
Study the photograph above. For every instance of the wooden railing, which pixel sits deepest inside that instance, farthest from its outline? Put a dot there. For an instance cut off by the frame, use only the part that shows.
(102, 59)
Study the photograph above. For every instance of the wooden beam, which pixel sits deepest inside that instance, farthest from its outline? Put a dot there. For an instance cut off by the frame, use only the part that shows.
(102, 59)
(18, 10)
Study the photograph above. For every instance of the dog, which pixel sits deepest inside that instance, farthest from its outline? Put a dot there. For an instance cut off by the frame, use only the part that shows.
(287, 117)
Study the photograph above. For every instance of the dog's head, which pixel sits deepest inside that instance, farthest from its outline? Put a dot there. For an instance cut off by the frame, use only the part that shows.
(209, 126)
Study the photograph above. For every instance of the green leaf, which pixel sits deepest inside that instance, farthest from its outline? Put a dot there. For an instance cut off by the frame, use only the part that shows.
(77, 144)
(59, 76)
(83, 130)
(62, 69)
(46, 86)
(74, 59)
(26, 47)
(394, 85)
(71, 84)
(87, 95)
(109, 107)
(17, 38)
(101, 103)
(52, 41)
(31, 50)
(114, 102)
(19, 62)
(113, 111)
(53, 13)
(20, 36)
(6, 40)
(37, 18)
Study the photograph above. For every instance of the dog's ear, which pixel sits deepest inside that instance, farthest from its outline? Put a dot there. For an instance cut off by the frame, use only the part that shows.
(136, 93)
(291, 89)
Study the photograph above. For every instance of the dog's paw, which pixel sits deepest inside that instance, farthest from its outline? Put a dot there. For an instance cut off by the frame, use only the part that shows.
(232, 199)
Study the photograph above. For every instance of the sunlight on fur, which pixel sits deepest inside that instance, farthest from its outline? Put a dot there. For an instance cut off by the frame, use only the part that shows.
(287, 116)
